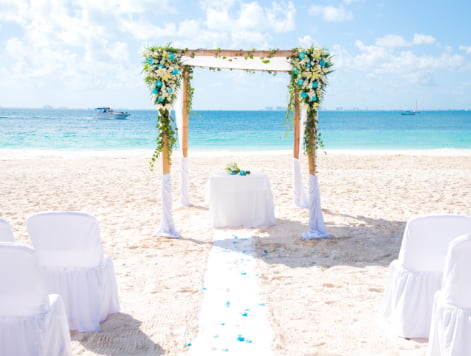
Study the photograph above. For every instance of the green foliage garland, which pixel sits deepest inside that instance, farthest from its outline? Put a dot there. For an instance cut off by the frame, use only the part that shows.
(163, 70)
(310, 67)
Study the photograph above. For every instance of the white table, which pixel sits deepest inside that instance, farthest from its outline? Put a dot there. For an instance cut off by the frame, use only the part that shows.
(236, 200)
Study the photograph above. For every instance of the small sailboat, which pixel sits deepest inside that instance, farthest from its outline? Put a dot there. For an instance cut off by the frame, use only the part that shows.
(411, 112)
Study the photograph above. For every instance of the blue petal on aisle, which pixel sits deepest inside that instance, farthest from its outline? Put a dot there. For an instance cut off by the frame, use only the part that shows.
(233, 317)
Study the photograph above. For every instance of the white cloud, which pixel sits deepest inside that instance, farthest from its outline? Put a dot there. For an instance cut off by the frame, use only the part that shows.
(376, 60)
(466, 49)
(392, 40)
(307, 41)
(420, 39)
(331, 13)
(251, 16)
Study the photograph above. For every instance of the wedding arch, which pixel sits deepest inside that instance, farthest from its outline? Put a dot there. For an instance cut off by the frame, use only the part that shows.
(168, 73)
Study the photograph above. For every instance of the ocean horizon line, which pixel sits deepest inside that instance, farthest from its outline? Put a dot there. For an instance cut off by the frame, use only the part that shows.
(348, 110)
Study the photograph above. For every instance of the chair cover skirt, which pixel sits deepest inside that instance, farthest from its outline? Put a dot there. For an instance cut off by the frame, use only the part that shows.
(43, 334)
(450, 333)
(409, 300)
(89, 294)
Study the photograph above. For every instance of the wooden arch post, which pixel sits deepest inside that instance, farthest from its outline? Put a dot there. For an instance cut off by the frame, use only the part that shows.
(311, 126)
(296, 124)
(185, 113)
(165, 156)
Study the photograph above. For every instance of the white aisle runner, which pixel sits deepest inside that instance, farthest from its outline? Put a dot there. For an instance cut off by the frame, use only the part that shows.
(233, 317)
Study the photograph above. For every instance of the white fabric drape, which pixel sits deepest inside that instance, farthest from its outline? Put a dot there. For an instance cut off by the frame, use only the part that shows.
(275, 64)
(316, 219)
(300, 198)
(185, 171)
(167, 227)
(236, 200)
(185, 196)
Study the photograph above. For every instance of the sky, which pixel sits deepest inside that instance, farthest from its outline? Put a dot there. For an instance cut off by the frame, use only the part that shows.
(388, 54)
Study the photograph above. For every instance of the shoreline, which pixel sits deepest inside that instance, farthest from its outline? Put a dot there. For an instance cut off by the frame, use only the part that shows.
(11, 154)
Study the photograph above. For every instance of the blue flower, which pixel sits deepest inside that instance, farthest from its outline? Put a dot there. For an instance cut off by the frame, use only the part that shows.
(150, 61)
(322, 63)
(300, 81)
(242, 173)
(308, 65)
(171, 56)
(161, 66)
(315, 84)
(160, 99)
(314, 98)
(154, 91)
(302, 55)
(303, 94)
(169, 90)
(158, 83)
(175, 71)
(295, 71)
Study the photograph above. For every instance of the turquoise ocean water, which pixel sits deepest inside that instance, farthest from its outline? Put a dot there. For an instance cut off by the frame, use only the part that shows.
(238, 130)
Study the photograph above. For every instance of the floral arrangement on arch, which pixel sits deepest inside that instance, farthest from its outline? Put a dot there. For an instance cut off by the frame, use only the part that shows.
(163, 70)
(310, 67)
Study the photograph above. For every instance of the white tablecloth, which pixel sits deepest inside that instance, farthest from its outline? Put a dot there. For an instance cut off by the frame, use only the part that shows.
(236, 200)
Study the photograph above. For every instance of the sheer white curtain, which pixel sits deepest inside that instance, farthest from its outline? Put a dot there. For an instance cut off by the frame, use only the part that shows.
(185, 171)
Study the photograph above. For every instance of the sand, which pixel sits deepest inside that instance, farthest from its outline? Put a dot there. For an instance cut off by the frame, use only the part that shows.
(323, 297)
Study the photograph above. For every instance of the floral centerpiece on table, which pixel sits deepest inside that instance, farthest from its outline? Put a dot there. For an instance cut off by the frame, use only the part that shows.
(234, 169)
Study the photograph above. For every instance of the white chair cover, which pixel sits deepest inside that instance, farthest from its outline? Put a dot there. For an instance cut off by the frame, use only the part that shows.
(69, 251)
(316, 219)
(6, 234)
(167, 226)
(450, 332)
(416, 275)
(31, 322)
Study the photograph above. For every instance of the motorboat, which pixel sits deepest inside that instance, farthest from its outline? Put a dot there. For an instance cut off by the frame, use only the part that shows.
(108, 113)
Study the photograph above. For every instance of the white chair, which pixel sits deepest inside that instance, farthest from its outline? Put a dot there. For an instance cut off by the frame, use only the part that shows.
(416, 275)
(69, 250)
(450, 332)
(32, 323)
(6, 234)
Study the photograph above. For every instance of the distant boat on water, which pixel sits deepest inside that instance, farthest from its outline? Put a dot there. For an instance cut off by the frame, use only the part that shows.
(411, 112)
(108, 113)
